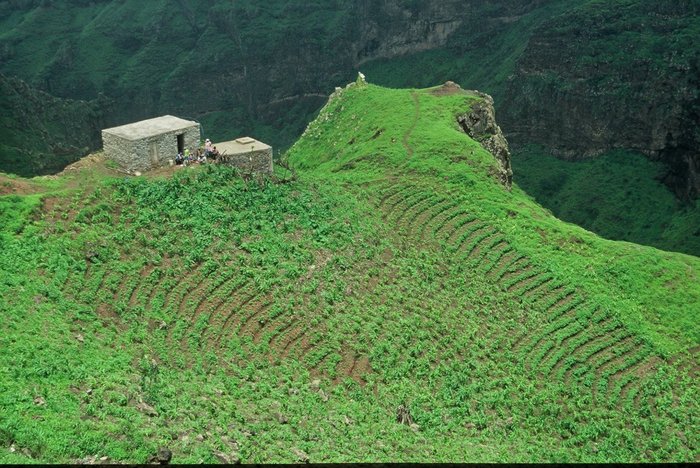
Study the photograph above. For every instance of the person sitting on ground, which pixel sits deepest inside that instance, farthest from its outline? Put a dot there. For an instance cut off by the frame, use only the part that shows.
(179, 158)
(214, 153)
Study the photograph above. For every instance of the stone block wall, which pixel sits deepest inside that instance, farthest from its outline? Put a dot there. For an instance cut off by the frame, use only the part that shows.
(259, 161)
(147, 153)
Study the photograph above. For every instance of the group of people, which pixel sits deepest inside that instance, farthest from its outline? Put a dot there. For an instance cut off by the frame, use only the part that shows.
(198, 155)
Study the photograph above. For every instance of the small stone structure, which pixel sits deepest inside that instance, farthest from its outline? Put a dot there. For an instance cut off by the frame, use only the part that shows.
(148, 144)
(247, 154)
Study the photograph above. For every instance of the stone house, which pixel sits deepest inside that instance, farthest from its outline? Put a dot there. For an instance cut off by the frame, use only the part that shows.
(247, 154)
(148, 144)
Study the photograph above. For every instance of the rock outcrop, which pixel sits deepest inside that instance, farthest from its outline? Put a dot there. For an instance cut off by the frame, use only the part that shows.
(480, 124)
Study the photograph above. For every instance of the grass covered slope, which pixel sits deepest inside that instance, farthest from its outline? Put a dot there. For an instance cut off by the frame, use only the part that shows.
(275, 322)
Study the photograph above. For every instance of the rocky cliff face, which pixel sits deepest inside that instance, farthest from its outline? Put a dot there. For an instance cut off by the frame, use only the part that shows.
(480, 124)
(591, 82)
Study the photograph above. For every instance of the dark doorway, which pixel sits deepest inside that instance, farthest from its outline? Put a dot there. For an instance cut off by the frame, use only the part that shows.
(181, 143)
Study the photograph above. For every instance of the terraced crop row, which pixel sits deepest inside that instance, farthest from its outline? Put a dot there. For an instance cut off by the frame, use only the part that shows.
(577, 341)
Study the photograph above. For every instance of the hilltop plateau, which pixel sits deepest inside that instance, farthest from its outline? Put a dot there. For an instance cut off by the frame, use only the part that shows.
(399, 300)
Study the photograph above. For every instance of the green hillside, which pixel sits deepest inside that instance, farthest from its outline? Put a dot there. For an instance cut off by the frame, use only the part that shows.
(582, 78)
(278, 322)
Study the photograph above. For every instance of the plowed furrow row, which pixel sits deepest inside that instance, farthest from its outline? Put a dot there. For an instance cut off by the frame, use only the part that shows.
(622, 383)
(560, 349)
(345, 366)
(516, 280)
(576, 340)
(504, 263)
(561, 340)
(446, 219)
(408, 218)
(461, 227)
(548, 302)
(182, 286)
(619, 366)
(543, 279)
(567, 299)
(290, 339)
(462, 236)
(599, 353)
(317, 362)
(267, 326)
(407, 206)
(390, 191)
(145, 273)
(255, 319)
(391, 202)
(514, 269)
(120, 292)
(543, 290)
(239, 315)
(543, 335)
(225, 307)
(284, 334)
(216, 294)
(193, 290)
(496, 248)
(471, 246)
(433, 217)
(565, 308)
(547, 343)
(155, 289)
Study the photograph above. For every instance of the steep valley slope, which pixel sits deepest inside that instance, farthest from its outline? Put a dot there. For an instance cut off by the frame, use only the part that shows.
(42, 134)
(395, 302)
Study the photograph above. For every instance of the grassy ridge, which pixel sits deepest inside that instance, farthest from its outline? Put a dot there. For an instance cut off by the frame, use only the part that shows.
(199, 309)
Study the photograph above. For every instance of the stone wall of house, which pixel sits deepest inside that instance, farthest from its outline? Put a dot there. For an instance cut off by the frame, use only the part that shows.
(148, 153)
(259, 161)
(192, 140)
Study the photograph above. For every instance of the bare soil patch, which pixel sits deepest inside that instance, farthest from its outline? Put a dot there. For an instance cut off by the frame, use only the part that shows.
(10, 186)
(450, 88)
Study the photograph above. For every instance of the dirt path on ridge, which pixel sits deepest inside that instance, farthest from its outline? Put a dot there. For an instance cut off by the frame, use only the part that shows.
(409, 132)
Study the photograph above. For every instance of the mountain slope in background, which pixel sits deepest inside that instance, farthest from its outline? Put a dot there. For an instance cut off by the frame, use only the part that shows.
(580, 78)
(621, 76)
(41, 134)
(396, 302)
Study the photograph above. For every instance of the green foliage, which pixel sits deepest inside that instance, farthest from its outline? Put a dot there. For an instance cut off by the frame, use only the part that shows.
(41, 134)
(196, 311)
(616, 195)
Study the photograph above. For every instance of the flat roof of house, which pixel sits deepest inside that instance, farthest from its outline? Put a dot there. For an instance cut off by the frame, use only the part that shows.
(151, 127)
(240, 146)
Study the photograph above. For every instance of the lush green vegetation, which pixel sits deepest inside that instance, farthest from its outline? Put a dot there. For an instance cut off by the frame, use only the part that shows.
(616, 195)
(196, 311)
(227, 64)
(40, 134)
